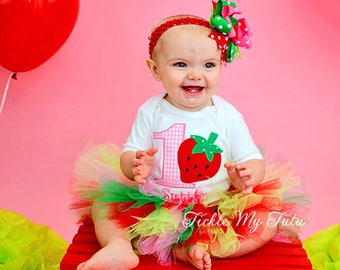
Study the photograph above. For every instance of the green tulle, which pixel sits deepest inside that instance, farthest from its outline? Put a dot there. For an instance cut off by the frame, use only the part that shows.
(25, 245)
(323, 248)
(115, 192)
(190, 227)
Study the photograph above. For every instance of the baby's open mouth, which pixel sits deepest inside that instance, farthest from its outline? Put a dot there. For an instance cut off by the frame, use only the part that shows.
(192, 89)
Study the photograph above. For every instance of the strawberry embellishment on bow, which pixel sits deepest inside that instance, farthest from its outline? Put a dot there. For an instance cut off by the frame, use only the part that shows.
(198, 158)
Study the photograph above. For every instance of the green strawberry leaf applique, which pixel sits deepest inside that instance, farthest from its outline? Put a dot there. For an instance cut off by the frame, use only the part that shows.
(206, 146)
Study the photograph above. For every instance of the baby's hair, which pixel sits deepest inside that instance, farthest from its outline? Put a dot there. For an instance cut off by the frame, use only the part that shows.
(172, 21)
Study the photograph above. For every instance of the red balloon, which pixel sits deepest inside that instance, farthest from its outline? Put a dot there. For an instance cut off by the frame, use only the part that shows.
(31, 31)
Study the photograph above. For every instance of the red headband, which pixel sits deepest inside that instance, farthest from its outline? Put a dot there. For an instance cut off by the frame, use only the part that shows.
(158, 32)
(228, 32)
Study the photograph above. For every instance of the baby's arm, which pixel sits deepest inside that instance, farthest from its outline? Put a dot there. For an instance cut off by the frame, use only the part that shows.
(246, 175)
(137, 165)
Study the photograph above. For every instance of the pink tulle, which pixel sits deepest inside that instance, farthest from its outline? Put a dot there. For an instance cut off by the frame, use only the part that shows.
(280, 195)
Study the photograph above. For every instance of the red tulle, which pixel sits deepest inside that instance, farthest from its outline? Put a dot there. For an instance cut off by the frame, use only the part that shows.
(126, 219)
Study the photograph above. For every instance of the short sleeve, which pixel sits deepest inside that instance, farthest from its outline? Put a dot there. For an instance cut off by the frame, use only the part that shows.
(242, 145)
(141, 134)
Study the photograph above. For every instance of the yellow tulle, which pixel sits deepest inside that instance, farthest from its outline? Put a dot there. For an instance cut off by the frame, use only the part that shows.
(323, 248)
(100, 161)
(233, 202)
(25, 245)
(221, 243)
(97, 164)
(160, 222)
(285, 172)
(163, 229)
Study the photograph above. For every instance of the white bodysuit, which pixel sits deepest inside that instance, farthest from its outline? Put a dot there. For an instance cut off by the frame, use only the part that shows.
(187, 176)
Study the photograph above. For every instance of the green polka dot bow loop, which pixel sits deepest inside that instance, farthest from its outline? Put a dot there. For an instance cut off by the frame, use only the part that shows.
(228, 32)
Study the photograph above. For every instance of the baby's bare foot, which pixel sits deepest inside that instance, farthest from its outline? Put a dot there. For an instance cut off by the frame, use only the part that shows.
(111, 258)
(195, 256)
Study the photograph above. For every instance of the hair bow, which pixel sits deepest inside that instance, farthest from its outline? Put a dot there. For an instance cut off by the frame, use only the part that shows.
(229, 32)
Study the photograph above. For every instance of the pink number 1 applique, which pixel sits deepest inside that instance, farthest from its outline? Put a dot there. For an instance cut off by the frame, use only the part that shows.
(172, 138)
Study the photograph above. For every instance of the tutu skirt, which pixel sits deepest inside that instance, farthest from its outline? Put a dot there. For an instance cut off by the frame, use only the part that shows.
(218, 223)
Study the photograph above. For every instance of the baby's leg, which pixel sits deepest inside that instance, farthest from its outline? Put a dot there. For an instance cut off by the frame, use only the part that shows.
(249, 244)
(201, 259)
(116, 252)
(195, 256)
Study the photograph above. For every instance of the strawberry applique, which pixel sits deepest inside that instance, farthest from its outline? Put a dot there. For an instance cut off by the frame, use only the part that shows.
(199, 158)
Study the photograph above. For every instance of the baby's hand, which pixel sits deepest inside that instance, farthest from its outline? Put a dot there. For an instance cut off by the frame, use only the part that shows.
(142, 164)
(241, 176)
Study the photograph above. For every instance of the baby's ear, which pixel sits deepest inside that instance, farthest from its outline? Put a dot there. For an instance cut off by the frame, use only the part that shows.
(153, 68)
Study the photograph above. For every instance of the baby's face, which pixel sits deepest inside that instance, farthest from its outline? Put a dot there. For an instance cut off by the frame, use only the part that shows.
(189, 65)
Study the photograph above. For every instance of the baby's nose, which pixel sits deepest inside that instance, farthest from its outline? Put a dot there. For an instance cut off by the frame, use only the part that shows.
(194, 74)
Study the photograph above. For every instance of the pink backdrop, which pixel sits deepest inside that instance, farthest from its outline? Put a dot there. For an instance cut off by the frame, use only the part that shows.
(287, 87)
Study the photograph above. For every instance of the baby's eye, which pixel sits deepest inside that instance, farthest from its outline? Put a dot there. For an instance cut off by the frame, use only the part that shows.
(209, 65)
(180, 64)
